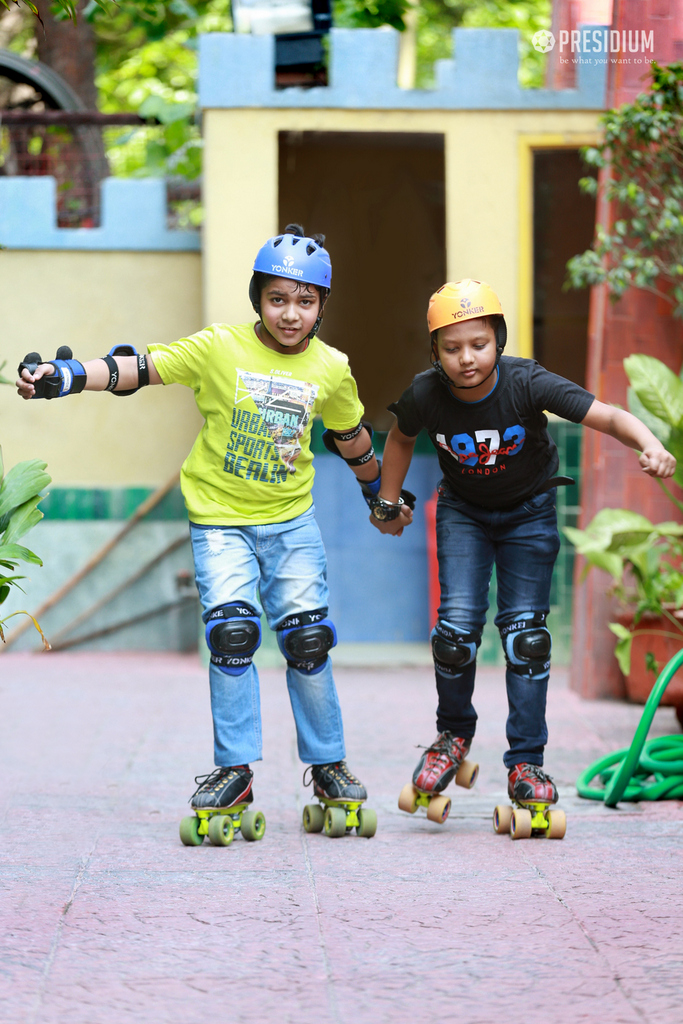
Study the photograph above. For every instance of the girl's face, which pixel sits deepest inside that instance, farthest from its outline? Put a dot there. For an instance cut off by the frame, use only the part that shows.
(467, 351)
(288, 312)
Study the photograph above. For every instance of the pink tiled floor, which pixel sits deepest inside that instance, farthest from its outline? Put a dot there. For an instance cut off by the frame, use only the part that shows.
(107, 919)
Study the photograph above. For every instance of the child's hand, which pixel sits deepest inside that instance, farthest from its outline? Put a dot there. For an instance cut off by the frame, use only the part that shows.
(25, 386)
(657, 461)
(396, 526)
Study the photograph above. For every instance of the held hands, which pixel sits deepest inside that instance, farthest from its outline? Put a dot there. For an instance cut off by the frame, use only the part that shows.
(394, 527)
(657, 461)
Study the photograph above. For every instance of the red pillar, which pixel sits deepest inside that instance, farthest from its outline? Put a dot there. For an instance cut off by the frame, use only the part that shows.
(640, 322)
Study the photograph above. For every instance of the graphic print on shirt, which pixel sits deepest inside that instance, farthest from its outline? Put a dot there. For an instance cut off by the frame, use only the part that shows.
(269, 417)
(484, 452)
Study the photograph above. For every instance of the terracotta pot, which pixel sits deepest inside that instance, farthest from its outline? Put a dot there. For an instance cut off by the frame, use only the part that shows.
(639, 681)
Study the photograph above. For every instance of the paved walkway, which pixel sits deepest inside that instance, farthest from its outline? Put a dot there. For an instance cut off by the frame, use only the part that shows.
(107, 919)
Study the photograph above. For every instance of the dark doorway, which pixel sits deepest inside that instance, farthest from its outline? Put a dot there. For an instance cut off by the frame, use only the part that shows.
(380, 200)
(564, 224)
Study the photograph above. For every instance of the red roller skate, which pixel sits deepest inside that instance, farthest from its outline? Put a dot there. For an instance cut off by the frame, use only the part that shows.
(532, 792)
(445, 759)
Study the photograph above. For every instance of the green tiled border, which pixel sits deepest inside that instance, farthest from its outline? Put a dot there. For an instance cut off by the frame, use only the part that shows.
(108, 503)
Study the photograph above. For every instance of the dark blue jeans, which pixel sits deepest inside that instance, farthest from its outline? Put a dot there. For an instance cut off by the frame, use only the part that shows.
(523, 542)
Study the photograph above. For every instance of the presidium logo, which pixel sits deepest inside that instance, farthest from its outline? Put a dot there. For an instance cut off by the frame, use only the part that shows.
(582, 41)
(543, 41)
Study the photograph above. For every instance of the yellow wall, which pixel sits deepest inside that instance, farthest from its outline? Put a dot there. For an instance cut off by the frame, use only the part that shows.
(92, 301)
(487, 184)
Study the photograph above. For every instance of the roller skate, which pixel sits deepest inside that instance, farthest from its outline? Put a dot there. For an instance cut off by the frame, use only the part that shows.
(438, 765)
(220, 802)
(340, 794)
(532, 792)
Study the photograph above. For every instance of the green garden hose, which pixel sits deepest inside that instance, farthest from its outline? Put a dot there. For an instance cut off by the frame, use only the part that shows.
(651, 770)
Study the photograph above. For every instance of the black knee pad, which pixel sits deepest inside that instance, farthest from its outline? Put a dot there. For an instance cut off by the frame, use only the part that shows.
(453, 647)
(305, 639)
(233, 635)
(527, 644)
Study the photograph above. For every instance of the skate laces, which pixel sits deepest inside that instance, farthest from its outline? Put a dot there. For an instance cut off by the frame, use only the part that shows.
(532, 772)
(336, 771)
(212, 780)
(447, 748)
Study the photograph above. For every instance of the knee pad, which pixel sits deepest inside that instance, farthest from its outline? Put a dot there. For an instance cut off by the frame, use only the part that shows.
(453, 647)
(305, 639)
(527, 644)
(233, 635)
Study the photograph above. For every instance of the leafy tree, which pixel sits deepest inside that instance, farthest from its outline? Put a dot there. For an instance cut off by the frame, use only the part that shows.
(436, 19)
(641, 158)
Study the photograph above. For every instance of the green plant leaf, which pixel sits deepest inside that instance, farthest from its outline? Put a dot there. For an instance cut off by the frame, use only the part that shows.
(24, 481)
(22, 520)
(622, 648)
(657, 387)
(18, 553)
(659, 428)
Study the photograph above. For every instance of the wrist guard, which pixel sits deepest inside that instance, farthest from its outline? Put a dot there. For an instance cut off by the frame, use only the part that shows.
(370, 488)
(143, 369)
(69, 377)
(329, 437)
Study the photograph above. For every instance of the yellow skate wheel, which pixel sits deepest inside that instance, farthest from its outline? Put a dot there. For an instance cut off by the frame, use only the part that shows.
(253, 825)
(520, 823)
(314, 818)
(557, 825)
(335, 822)
(221, 830)
(466, 774)
(439, 809)
(189, 832)
(502, 816)
(407, 799)
(367, 823)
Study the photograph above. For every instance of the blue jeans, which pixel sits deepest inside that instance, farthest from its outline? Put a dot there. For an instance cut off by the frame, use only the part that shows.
(523, 542)
(284, 565)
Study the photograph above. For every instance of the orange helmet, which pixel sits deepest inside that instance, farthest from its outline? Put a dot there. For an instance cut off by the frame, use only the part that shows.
(461, 300)
(464, 300)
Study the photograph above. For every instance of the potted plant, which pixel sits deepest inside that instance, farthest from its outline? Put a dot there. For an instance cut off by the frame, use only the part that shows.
(645, 559)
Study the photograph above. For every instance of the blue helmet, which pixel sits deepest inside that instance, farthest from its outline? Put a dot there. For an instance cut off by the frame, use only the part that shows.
(295, 256)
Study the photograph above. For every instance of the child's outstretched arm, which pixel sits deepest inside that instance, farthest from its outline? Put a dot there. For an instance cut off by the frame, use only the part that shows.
(654, 459)
(398, 452)
(99, 375)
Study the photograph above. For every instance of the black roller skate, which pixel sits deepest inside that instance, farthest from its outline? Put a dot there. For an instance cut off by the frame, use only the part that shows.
(440, 763)
(532, 792)
(340, 794)
(220, 801)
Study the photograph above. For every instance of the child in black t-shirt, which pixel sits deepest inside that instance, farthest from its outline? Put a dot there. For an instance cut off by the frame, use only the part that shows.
(484, 413)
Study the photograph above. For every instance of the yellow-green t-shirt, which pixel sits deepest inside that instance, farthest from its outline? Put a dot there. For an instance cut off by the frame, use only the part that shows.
(252, 461)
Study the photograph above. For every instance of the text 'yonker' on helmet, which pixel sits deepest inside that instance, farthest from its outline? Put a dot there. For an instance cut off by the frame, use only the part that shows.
(295, 256)
(462, 300)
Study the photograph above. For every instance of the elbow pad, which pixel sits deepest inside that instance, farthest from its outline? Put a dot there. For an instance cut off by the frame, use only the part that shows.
(143, 369)
(329, 441)
(69, 377)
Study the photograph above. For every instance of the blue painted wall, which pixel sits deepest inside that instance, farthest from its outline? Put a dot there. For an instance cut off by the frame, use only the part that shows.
(378, 584)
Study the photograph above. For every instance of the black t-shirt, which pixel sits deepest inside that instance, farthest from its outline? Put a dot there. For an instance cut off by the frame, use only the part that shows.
(497, 452)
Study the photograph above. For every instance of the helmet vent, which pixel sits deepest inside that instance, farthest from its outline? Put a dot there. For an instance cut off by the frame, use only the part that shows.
(295, 241)
(310, 249)
(277, 242)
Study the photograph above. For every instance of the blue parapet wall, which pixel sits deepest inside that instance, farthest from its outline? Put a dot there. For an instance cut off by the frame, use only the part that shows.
(239, 71)
(133, 218)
